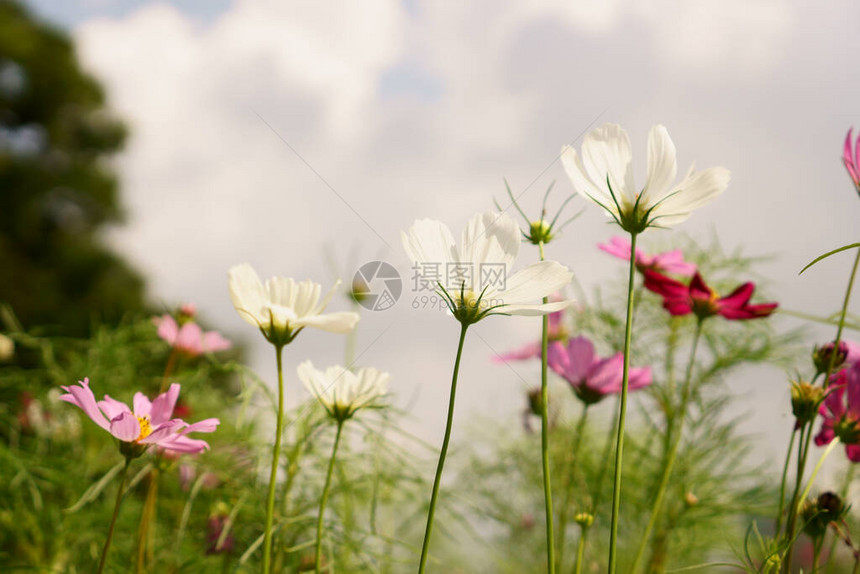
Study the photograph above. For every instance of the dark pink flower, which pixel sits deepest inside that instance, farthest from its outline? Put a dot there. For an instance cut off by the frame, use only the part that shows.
(150, 423)
(668, 262)
(189, 339)
(852, 160)
(591, 377)
(849, 353)
(555, 330)
(698, 298)
(841, 412)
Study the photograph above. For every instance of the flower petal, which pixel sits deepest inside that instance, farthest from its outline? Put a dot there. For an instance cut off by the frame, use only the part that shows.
(247, 294)
(429, 241)
(167, 328)
(697, 189)
(662, 166)
(125, 427)
(490, 237)
(83, 398)
(595, 191)
(340, 322)
(142, 406)
(163, 405)
(606, 155)
(533, 283)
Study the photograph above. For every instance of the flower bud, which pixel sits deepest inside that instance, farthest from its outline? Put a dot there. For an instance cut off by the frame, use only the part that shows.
(805, 400)
(584, 519)
(539, 232)
(535, 401)
(817, 514)
(821, 357)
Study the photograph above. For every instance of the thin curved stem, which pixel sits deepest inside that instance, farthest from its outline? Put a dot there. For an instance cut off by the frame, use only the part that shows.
(444, 452)
(276, 453)
(672, 455)
(817, 468)
(622, 415)
(782, 484)
(544, 436)
(119, 493)
(324, 499)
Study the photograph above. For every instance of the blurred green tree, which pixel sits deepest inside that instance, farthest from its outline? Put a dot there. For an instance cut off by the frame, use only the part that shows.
(57, 191)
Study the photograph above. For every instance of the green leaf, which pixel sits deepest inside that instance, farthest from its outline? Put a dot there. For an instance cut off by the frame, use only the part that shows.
(828, 254)
(93, 491)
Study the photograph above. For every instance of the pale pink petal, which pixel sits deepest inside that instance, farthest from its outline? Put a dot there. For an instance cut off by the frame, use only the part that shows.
(163, 405)
(606, 375)
(112, 408)
(214, 342)
(142, 406)
(125, 427)
(206, 425)
(190, 339)
(163, 431)
(83, 398)
(183, 444)
(581, 354)
(527, 351)
(167, 328)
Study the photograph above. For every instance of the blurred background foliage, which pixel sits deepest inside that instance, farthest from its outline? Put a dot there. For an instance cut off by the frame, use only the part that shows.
(58, 191)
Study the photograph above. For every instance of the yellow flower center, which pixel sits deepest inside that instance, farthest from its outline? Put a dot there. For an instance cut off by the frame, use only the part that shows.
(469, 299)
(145, 427)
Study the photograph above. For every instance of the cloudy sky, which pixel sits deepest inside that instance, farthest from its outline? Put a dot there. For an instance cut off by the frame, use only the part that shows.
(269, 132)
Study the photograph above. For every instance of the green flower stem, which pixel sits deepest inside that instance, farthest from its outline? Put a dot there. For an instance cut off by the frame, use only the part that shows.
(544, 436)
(571, 472)
(782, 484)
(604, 465)
(119, 493)
(147, 519)
(815, 470)
(580, 550)
(432, 511)
(792, 522)
(318, 560)
(622, 415)
(276, 452)
(672, 455)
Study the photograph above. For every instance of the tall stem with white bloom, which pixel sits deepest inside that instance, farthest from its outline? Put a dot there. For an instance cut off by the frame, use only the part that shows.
(432, 511)
(544, 436)
(622, 415)
(324, 499)
(276, 453)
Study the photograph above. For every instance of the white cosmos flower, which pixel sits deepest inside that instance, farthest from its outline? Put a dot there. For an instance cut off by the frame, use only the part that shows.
(604, 174)
(489, 243)
(281, 307)
(341, 391)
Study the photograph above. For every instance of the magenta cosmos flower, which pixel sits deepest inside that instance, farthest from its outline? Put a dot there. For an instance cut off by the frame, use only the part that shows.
(190, 339)
(698, 298)
(851, 159)
(668, 262)
(149, 423)
(556, 331)
(841, 412)
(591, 377)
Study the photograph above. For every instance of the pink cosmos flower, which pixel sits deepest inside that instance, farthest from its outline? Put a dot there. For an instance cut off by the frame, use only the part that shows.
(852, 160)
(841, 412)
(591, 377)
(189, 339)
(150, 423)
(698, 298)
(668, 262)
